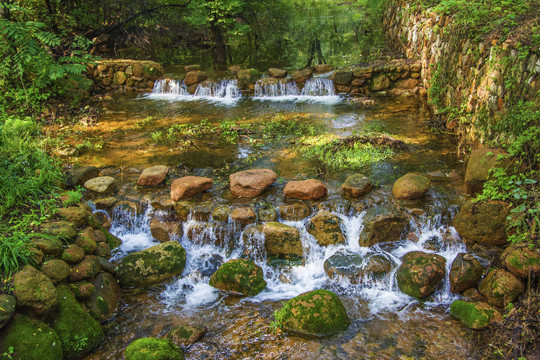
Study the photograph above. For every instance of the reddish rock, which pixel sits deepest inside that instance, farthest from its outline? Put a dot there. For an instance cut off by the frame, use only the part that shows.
(250, 183)
(153, 176)
(243, 216)
(188, 186)
(311, 189)
(162, 230)
(194, 77)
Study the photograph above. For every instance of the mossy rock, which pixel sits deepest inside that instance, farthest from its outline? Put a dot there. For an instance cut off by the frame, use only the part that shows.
(7, 309)
(356, 186)
(465, 272)
(82, 289)
(480, 162)
(80, 334)
(65, 230)
(56, 270)
(153, 265)
(411, 186)
(185, 335)
(522, 260)
(295, 211)
(420, 273)
(282, 241)
(483, 222)
(382, 224)
(34, 290)
(87, 240)
(326, 228)
(240, 276)
(221, 213)
(86, 269)
(72, 254)
(30, 339)
(74, 214)
(474, 315)
(102, 303)
(153, 349)
(315, 313)
(51, 247)
(501, 287)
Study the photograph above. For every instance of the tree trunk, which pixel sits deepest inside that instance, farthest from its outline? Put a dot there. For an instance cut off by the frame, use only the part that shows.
(220, 48)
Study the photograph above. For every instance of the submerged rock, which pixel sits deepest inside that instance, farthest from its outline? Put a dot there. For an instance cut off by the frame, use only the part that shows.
(326, 229)
(251, 183)
(501, 287)
(522, 260)
(282, 241)
(474, 315)
(187, 186)
(153, 265)
(382, 224)
(420, 273)
(153, 176)
(356, 185)
(311, 189)
(465, 273)
(221, 213)
(34, 290)
(239, 276)
(483, 222)
(410, 186)
(185, 335)
(356, 267)
(294, 211)
(318, 313)
(7, 309)
(153, 348)
(267, 214)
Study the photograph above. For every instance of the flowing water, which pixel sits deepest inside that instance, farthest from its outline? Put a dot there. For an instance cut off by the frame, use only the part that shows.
(386, 324)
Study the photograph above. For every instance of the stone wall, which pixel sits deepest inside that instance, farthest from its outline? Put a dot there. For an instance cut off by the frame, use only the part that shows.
(479, 78)
(124, 75)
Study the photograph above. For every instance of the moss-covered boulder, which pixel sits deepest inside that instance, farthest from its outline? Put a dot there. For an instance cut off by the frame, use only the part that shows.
(356, 186)
(153, 349)
(102, 303)
(239, 276)
(522, 260)
(77, 330)
(326, 228)
(74, 214)
(411, 186)
(65, 230)
(282, 241)
(72, 254)
(185, 335)
(47, 246)
(356, 267)
(87, 240)
(34, 290)
(153, 265)
(382, 224)
(420, 273)
(56, 270)
(483, 222)
(30, 339)
(86, 269)
(294, 211)
(267, 214)
(465, 272)
(474, 315)
(480, 162)
(316, 313)
(82, 289)
(501, 287)
(7, 309)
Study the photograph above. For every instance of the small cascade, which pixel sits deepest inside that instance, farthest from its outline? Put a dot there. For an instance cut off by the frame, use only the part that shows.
(319, 87)
(226, 90)
(275, 88)
(315, 90)
(169, 87)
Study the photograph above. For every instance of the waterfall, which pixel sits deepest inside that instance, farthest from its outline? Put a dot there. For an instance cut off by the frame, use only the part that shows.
(225, 91)
(315, 90)
(319, 87)
(170, 87)
(274, 88)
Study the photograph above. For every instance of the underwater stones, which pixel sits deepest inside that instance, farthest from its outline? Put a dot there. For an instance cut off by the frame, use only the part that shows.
(77, 330)
(356, 185)
(163, 230)
(323, 68)
(239, 276)
(34, 290)
(56, 270)
(294, 211)
(72, 254)
(501, 287)
(185, 335)
(187, 186)
(480, 162)
(82, 174)
(382, 224)
(483, 222)
(326, 229)
(86, 269)
(420, 273)
(194, 77)
(410, 186)
(380, 82)
(101, 184)
(521, 260)
(243, 216)
(153, 265)
(207, 233)
(102, 303)
(356, 267)
(465, 272)
(153, 348)
(62, 229)
(74, 214)
(153, 176)
(282, 241)
(474, 315)
(311, 189)
(30, 339)
(303, 75)
(277, 73)
(7, 309)
(251, 183)
(316, 313)
(342, 77)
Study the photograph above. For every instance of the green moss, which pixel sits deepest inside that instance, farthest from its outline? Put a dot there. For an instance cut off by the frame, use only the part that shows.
(473, 315)
(240, 276)
(153, 349)
(31, 340)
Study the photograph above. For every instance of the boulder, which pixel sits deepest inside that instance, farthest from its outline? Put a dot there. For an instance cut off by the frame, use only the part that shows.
(410, 186)
(315, 313)
(243, 216)
(86, 269)
(465, 273)
(356, 185)
(357, 268)
(323, 68)
(480, 162)
(483, 222)
(251, 183)
(187, 186)
(78, 331)
(163, 230)
(103, 250)
(120, 78)
(295, 211)
(282, 241)
(34, 290)
(380, 82)
(382, 224)
(101, 184)
(56, 270)
(501, 287)
(311, 189)
(474, 315)
(7, 309)
(239, 276)
(102, 303)
(82, 289)
(153, 265)
(48, 246)
(72, 254)
(153, 348)
(522, 260)
(325, 228)
(74, 214)
(277, 73)
(153, 176)
(195, 77)
(342, 77)
(30, 339)
(80, 175)
(185, 335)
(87, 240)
(301, 76)
(420, 273)
(64, 230)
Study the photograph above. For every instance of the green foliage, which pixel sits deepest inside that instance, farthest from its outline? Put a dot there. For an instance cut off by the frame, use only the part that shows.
(14, 253)
(74, 196)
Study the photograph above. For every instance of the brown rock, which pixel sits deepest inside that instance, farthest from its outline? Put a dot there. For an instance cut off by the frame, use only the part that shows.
(75, 214)
(294, 212)
(465, 272)
(187, 186)
(410, 186)
(243, 216)
(301, 76)
(323, 68)
(311, 189)
(153, 176)
(250, 183)
(326, 229)
(356, 186)
(162, 230)
(501, 287)
(522, 260)
(194, 77)
(277, 73)
(483, 222)
(86, 269)
(72, 254)
(34, 290)
(480, 162)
